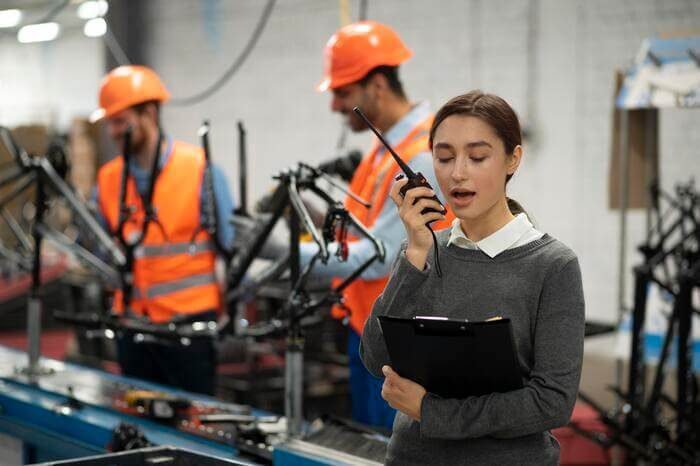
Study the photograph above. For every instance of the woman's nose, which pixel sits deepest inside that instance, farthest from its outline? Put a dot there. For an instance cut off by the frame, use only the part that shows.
(460, 171)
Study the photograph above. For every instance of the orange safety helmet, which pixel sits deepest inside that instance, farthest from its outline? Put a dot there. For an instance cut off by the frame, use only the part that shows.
(354, 50)
(126, 86)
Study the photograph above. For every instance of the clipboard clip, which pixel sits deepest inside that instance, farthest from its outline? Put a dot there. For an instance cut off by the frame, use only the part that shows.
(441, 326)
(436, 318)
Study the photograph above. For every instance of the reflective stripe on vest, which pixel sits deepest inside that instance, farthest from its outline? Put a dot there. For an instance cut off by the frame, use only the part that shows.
(171, 249)
(162, 289)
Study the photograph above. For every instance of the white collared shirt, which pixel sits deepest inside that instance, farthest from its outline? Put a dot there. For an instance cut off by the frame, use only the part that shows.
(517, 232)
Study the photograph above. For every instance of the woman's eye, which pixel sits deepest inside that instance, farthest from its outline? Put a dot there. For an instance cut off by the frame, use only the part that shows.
(478, 159)
(444, 159)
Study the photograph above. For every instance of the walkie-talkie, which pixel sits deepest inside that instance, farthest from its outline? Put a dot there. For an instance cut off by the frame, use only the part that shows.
(415, 180)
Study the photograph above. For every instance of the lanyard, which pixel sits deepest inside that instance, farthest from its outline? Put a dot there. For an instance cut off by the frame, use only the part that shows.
(125, 211)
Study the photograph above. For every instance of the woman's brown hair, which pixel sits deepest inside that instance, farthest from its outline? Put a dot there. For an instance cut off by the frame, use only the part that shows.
(496, 113)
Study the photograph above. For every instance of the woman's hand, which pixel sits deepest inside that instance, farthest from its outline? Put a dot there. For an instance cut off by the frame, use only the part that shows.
(410, 207)
(402, 394)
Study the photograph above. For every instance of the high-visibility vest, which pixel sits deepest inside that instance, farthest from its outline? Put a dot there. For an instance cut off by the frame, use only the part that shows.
(372, 181)
(173, 269)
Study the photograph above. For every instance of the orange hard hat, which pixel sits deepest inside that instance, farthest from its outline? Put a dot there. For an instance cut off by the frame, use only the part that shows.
(354, 50)
(126, 86)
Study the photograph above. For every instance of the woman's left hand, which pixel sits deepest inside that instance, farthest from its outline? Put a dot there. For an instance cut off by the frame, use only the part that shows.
(402, 394)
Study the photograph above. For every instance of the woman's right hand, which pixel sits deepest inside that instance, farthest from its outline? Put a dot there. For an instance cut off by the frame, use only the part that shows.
(420, 239)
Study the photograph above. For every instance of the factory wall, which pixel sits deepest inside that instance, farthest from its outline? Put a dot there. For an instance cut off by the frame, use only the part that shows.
(553, 60)
(49, 83)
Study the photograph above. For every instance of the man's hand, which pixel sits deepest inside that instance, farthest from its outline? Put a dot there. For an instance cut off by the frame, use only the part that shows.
(402, 394)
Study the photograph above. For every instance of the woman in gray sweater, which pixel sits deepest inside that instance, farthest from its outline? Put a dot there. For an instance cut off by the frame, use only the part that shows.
(494, 264)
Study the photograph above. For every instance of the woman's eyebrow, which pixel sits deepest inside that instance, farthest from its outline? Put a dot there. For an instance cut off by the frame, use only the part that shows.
(469, 145)
(472, 145)
(442, 145)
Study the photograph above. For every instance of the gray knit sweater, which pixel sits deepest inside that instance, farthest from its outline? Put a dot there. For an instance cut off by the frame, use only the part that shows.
(538, 287)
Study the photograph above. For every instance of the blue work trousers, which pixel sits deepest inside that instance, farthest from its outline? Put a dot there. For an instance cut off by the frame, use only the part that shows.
(368, 406)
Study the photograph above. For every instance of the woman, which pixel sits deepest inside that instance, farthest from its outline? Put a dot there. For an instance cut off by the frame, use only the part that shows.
(494, 264)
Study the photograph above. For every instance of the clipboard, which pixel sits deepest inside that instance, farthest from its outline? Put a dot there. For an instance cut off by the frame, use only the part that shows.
(452, 358)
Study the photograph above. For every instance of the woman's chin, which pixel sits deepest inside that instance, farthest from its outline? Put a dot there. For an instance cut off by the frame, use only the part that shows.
(464, 212)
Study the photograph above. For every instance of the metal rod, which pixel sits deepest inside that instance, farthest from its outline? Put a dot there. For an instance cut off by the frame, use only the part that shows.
(294, 236)
(17, 189)
(21, 236)
(67, 245)
(294, 356)
(349, 193)
(622, 263)
(34, 312)
(79, 208)
(652, 406)
(684, 310)
(242, 170)
(20, 156)
(11, 174)
(636, 378)
(336, 184)
(293, 388)
(378, 244)
(34, 301)
(303, 216)
(211, 209)
(23, 262)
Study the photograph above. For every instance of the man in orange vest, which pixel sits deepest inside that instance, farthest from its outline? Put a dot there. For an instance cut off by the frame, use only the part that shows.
(361, 69)
(161, 219)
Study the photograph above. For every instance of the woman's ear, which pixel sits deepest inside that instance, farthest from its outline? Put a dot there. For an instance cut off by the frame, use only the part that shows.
(513, 161)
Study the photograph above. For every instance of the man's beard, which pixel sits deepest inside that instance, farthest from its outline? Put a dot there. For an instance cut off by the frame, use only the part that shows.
(354, 122)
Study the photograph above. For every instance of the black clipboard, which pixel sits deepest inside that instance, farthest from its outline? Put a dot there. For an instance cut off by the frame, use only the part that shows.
(452, 358)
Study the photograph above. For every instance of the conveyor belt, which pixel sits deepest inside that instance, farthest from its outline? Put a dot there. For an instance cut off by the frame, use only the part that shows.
(49, 404)
(73, 412)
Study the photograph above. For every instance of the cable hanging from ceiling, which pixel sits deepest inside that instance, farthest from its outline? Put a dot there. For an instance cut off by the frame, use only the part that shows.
(235, 66)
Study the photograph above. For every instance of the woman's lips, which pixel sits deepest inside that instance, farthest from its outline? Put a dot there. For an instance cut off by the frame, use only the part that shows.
(462, 197)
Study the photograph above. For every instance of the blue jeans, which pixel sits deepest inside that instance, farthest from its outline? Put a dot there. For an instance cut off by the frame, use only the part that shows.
(368, 406)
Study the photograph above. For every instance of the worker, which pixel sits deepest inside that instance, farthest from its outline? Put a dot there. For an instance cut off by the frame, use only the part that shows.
(174, 255)
(495, 265)
(362, 70)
